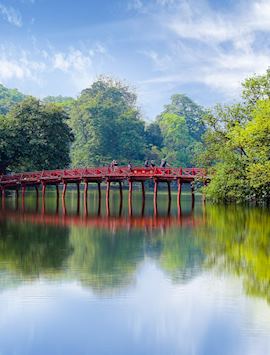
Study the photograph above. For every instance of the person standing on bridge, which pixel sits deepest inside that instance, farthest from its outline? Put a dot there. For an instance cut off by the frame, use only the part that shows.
(129, 166)
(163, 163)
(146, 163)
(152, 164)
(114, 163)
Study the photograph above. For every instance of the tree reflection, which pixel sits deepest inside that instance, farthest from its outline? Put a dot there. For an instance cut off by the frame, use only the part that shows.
(31, 250)
(105, 254)
(237, 240)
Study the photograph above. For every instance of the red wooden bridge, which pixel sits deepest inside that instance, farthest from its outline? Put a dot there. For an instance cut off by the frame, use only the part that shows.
(99, 175)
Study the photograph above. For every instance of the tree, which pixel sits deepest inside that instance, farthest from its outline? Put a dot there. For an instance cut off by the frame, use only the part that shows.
(64, 102)
(8, 98)
(107, 125)
(36, 137)
(255, 88)
(183, 106)
(238, 146)
(181, 125)
(153, 135)
(177, 140)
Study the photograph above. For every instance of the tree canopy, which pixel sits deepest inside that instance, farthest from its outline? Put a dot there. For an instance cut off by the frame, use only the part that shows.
(237, 144)
(107, 125)
(35, 137)
(8, 98)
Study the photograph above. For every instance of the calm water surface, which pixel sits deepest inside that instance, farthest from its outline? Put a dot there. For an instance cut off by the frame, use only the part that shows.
(94, 281)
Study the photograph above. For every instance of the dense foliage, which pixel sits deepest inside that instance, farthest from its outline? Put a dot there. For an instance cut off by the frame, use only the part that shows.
(8, 98)
(107, 125)
(237, 145)
(34, 136)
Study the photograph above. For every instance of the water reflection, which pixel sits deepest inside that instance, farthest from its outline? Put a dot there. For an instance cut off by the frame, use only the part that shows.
(104, 251)
(170, 282)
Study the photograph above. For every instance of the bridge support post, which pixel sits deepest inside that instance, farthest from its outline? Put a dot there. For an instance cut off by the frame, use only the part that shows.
(43, 190)
(85, 198)
(179, 190)
(169, 190)
(99, 191)
(23, 196)
(17, 198)
(108, 197)
(3, 197)
(57, 192)
(108, 191)
(203, 196)
(120, 190)
(36, 188)
(155, 191)
(85, 191)
(130, 191)
(192, 194)
(17, 194)
(143, 191)
(78, 197)
(64, 191)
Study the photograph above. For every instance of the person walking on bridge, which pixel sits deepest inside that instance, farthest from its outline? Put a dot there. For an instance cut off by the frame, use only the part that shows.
(163, 163)
(129, 166)
(146, 163)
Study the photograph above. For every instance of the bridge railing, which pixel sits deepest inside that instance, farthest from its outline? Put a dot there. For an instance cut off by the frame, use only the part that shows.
(57, 176)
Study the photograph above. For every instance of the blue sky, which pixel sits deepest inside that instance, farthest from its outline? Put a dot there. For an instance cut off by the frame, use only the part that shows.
(160, 47)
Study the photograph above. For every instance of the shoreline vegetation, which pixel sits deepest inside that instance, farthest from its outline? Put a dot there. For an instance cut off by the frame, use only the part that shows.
(104, 123)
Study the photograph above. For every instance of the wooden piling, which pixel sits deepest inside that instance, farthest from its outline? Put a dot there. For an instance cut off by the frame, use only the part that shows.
(3, 197)
(17, 194)
(57, 192)
(23, 192)
(169, 190)
(143, 191)
(43, 191)
(99, 191)
(130, 197)
(108, 191)
(37, 194)
(85, 191)
(179, 190)
(192, 195)
(64, 191)
(78, 197)
(120, 191)
(155, 191)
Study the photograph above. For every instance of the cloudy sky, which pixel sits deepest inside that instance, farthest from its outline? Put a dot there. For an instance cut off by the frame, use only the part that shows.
(203, 48)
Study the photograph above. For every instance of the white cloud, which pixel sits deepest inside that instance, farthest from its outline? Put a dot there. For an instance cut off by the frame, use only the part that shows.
(74, 68)
(24, 67)
(74, 60)
(212, 47)
(11, 15)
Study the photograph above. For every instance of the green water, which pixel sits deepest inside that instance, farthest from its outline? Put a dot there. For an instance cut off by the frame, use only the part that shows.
(167, 281)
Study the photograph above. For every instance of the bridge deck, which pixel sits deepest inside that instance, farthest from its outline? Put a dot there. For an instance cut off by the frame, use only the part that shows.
(118, 174)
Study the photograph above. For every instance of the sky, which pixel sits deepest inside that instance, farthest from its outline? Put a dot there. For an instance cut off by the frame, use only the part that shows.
(201, 48)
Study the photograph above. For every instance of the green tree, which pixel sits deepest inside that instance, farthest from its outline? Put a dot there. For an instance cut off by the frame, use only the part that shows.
(255, 88)
(183, 106)
(153, 135)
(8, 98)
(177, 140)
(181, 125)
(238, 146)
(64, 102)
(36, 136)
(107, 125)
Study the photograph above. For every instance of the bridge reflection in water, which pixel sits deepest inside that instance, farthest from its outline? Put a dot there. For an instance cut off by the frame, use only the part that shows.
(92, 213)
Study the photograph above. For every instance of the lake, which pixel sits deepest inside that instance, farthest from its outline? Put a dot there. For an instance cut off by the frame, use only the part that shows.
(96, 281)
